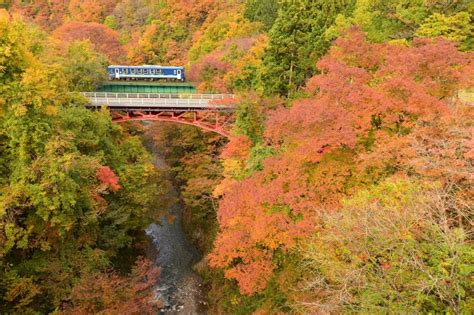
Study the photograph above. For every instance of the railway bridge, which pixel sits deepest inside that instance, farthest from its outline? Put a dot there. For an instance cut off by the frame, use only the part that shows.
(211, 112)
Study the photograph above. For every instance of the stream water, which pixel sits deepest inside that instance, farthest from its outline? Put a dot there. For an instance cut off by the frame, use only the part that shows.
(179, 288)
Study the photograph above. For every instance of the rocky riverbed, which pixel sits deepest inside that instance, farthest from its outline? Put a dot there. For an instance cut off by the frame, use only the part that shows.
(179, 288)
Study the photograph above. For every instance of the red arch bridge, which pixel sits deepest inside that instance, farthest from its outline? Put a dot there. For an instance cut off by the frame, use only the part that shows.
(211, 112)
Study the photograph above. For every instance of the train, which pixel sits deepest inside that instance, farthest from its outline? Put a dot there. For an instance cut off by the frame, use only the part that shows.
(146, 72)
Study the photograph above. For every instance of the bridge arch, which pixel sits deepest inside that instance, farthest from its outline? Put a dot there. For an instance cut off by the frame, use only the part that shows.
(213, 122)
(210, 112)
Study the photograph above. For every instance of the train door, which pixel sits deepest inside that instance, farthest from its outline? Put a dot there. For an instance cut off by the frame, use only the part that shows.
(117, 73)
(180, 77)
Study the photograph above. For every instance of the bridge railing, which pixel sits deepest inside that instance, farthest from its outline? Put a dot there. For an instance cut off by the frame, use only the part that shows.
(161, 103)
(108, 95)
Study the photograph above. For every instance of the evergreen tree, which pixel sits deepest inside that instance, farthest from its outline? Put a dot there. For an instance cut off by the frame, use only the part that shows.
(264, 11)
(297, 41)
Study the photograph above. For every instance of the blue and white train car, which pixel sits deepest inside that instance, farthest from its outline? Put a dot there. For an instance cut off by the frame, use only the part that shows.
(146, 73)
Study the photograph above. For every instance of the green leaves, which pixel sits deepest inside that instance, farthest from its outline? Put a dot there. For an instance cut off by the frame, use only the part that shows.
(386, 20)
(296, 41)
(84, 67)
(264, 11)
(58, 219)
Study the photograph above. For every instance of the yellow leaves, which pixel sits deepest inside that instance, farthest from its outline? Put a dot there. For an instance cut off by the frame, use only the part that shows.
(224, 186)
(341, 24)
(22, 291)
(19, 110)
(6, 51)
(457, 27)
(16, 236)
(229, 25)
(3, 209)
(247, 66)
(233, 167)
(400, 42)
(42, 88)
(235, 300)
(51, 110)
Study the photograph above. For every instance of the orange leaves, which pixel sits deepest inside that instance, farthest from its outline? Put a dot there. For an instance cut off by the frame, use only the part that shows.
(253, 275)
(255, 221)
(360, 81)
(470, 146)
(195, 11)
(108, 177)
(90, 10)
(210, 71)
(103, 38)
(351, 132)
(237, 148)
(47, 13)
(110, 293)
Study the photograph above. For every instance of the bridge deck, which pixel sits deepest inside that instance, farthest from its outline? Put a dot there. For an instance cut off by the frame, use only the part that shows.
(152, 102)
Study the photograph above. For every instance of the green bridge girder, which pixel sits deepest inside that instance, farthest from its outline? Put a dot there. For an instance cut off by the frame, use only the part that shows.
(146, 87)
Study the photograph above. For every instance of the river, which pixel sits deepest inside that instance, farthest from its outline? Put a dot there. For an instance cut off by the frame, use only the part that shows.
(179, 288)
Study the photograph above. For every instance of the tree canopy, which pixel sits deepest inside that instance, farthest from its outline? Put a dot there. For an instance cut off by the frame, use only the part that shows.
(74, 187)
(345, 186)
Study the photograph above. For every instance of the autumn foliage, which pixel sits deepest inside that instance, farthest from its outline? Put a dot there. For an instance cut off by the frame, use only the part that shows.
(111, 293)
(345, 186)
(368, 95)
(106, 176)
(90, 10)
(103, 38)
(75, 189)
(48, 14)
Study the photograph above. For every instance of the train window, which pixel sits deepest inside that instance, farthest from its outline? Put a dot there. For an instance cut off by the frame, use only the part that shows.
(139, 71)
(174, 71)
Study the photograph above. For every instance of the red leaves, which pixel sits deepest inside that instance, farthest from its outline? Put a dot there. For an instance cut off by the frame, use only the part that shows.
(238, 148)
(110, 293)
(47, 13)
(103, 38)
(254, 222)
(470, 146)
(360, 80)
(108, 177)
(366, 92)
(210, 70)
(90, 10)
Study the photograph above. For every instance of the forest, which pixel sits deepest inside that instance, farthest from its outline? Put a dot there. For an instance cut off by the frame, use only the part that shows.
(346, 185)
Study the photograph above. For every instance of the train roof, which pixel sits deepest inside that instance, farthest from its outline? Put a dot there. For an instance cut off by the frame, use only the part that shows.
(146, 66)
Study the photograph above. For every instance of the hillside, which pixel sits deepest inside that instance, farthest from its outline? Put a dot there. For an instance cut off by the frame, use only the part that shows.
(346, 185)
